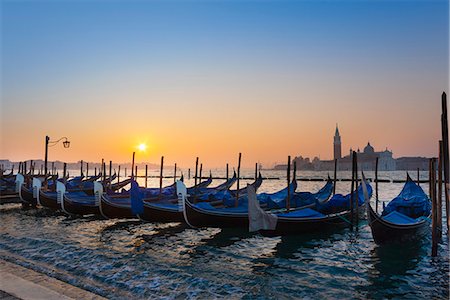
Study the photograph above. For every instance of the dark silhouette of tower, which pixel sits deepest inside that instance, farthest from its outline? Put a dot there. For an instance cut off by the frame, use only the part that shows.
(337, 144)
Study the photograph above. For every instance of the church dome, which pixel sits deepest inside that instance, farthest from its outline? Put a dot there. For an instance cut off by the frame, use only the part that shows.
(369, 149)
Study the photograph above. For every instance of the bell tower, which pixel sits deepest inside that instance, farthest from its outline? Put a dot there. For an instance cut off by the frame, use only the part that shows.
(337, 144)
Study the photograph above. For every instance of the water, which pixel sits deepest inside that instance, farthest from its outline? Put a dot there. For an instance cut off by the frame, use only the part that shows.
(129, 259)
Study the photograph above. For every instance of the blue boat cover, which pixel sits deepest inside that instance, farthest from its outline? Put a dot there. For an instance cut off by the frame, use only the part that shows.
(302, 213)
(299, 199)
(412, 202)
(339, 202)
(399, 218)
(137, 205)
(207, 206)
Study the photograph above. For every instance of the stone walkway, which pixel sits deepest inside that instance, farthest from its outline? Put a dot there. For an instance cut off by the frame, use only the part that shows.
(17, 282)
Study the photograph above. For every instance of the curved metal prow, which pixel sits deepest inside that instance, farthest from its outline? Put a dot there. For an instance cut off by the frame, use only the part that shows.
(182, 196)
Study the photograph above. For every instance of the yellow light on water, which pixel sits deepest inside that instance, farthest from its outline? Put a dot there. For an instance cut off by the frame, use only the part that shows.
(142, 147)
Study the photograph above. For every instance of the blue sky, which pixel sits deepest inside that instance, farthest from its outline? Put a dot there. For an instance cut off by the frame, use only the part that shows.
(295, 64)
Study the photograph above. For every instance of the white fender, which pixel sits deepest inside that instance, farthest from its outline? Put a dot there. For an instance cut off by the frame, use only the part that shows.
(182, 196)
(60, 191)
(37, 184)
(98, 192)
(19, 182)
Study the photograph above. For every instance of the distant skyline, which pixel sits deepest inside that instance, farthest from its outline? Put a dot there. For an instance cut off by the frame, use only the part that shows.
(215, 78)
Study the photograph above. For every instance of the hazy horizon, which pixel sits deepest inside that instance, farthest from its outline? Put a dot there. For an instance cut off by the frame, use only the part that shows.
(214, 78)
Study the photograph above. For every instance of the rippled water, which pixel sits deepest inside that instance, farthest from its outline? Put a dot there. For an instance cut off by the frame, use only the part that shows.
(129, 259)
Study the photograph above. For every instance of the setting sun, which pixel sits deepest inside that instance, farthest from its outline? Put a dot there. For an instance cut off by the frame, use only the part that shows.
(142, 147)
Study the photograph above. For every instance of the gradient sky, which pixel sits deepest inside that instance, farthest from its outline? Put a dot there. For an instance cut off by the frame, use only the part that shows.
(214, 78)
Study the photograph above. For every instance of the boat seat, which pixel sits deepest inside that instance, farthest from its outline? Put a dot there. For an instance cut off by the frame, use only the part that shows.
(399, 218)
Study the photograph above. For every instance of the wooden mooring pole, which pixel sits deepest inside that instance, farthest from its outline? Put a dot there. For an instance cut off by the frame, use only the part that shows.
(352, 191)
(439, 191)
(161, 176)
(356, 191)
(81, 168)
(132, 166)
(434, 229)
(195, 180)
(376, 185)
(445, 153)
(236, 202)
(288, 199)
(335, 177)
(110, 173)
(146, 175)
(175, 173)
(87, 169)
(418, 176)
(227, 173)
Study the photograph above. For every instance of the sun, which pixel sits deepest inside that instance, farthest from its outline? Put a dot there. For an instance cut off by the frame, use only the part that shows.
(142, 147)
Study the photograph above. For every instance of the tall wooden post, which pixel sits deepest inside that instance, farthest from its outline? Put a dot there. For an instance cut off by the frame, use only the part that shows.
(227, 175)
(87, 169)
(65, 173)
(256, 171)
(118, 174)
(110, 173)
(200, 173)
(236, 202)
(146, 175)
(376, 185)
(288, 199)
(81, 168)
(439, 190)
(418, 176)
(189, 173)
(445, 153)
(95, 171)
(335, 177)
(136, 171)
(161, 176)
(434, 234)
(352, 195)
(356, 191)
(196, 172)
(104, 173)
(47, 139)
(175, 173)
(132, 167)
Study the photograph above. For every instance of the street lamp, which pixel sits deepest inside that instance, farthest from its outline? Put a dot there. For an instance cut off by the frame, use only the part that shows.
(49, 143)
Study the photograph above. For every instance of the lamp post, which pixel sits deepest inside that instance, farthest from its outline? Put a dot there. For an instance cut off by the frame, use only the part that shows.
(49, 143)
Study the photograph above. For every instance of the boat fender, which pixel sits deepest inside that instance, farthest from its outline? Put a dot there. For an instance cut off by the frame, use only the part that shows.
(19, 182)
(37, 184)
(98, 192)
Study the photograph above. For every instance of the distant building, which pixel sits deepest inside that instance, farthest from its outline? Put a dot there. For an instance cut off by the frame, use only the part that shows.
(412, 163)
(337, 147)
(366, 160)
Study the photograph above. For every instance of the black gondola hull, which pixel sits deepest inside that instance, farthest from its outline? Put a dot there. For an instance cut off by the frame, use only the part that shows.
(202, 218)
(158, 214)
(80, 209)
(27, 196)
(385, 232)
(48, 201)
(111, 211)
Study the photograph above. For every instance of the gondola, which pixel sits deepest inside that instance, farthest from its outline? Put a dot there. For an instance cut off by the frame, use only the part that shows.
(205, 215)
(118, 205)
(405, 218)
(169, 209)
(308, 219)
(78, 203)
